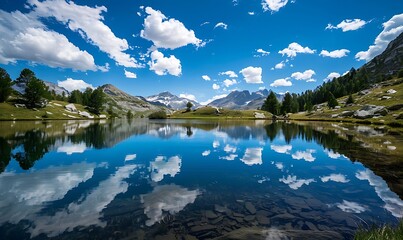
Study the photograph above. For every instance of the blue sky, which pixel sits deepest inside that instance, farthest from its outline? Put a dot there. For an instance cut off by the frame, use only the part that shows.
(201, 49)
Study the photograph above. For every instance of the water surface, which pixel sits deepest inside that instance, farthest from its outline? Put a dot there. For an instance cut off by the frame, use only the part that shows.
(195, 179)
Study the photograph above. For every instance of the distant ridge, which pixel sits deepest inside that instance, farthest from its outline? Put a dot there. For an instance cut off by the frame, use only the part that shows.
(243, 100)
(171, 101)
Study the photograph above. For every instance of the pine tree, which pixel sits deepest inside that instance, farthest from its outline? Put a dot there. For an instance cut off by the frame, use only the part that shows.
(25, 76)
(34, 92)
(271, 104)
(332, 101)
(96, 101)
(189, 106)
(86, 96)
(286, 104)
(308, 106)
(350, 100)
(129, 114)
(76, 97)
(5, 85)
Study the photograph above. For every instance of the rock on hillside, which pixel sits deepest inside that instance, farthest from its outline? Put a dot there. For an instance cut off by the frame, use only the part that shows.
(123, 102)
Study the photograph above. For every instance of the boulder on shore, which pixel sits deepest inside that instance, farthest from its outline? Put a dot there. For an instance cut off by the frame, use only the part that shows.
(347, 114)
(70, 107)
(85, 114)
(369, 111)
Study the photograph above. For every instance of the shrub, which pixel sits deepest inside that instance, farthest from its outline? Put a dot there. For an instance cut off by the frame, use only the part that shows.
(158, 115)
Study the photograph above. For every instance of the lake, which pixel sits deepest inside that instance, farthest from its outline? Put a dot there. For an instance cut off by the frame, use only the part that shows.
(193, 179)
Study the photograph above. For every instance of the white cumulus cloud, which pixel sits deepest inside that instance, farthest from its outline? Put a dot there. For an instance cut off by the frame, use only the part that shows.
(162, 65)
(280, 65)
(229, 82)
(262, 53)
(213, 99)
(188, 96)
(294, 183)
(206, 78)
(306, 155)
(305, 76)
(392, 201)
(221, 25)
(229, 149)
(348, 25)
(351, 207)
(70, 148)
(294, 48)
(130, 74)
(281, 148)
(391, 29)
(335, 178)
(331, 76)
(252, 156)
(167, 198)
(130, 157)
(161, 167)
(230, 74)
(206, 153)
(167, 33)
(24, 37)
(215, 86)
(230, 157)
(273, 5)
(252, 74)
(89, 23)
(335, 54)
(72, 84)
(283, 82)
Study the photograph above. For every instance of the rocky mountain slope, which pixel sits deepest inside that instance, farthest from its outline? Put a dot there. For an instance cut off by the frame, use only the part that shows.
(58, 90)
(171, 101)
(387, 63)
(243, 100)
(121, 102)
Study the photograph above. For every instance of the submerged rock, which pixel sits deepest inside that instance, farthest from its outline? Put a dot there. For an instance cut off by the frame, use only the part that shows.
(219, 208)
(211, 215)
(204, 228)
(250, 207)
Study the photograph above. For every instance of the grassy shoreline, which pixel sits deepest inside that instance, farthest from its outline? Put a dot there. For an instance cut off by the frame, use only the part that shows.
(397, 124)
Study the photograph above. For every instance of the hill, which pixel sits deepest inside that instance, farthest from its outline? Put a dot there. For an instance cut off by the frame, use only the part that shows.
(385, 100)
(54, 110)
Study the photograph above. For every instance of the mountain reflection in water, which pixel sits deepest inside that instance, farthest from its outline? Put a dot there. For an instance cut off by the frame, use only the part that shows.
(206, 179)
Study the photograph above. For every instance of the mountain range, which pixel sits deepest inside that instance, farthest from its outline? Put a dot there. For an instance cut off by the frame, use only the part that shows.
(171, 101)
(243, 100)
